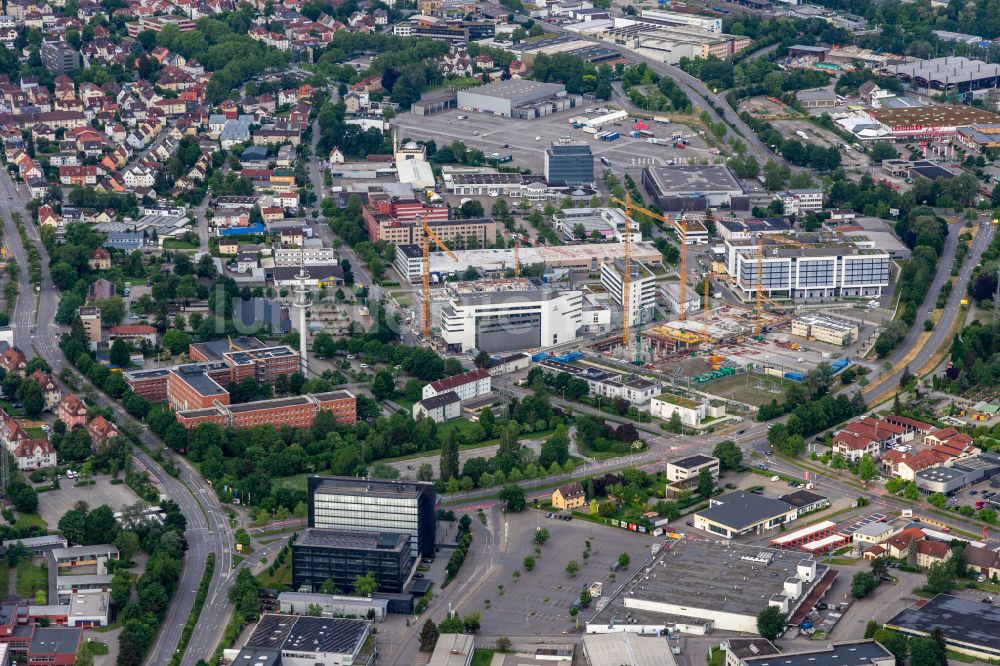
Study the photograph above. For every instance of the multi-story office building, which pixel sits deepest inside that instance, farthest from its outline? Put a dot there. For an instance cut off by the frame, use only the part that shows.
(642, 287)
(829, 268)
(372, 505)
(340, 556)
(508, 315)
(569, 162)
(800, 202)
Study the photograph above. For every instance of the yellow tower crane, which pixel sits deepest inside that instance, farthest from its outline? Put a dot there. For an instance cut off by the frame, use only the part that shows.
(426, 243)
(760, 276)
(680, 226)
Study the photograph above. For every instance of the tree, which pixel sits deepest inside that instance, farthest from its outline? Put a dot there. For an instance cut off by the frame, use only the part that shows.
(365, 586)
(100, 526)
(572, 568)
(513, 495)
(883, 150)
(428, 635)
(541, 536)
(383, 385)
(120, 355)
(449, 456)
(23, 497)
(314, 610)
(31, 396)
(674, 424)
(425, 472)
(770, 622)
(529, 563)
(482, 360)
(867, 471)
(910, 491)
(729, 454)
(471, 209)
(938, 500)
(863, 584)
(624, 560)
(940, 578)
(176, 341)
(925, 651)
(871, 628)
(879, 568)
(706, 484)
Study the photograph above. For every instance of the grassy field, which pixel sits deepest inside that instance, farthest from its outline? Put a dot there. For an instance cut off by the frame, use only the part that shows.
(482, 657)
(282, 576)
(176, 244)
(29, 519)
(31, 578)
(737, 387)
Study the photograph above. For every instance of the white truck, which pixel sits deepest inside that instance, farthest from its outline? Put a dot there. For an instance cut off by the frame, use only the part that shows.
(802, 134)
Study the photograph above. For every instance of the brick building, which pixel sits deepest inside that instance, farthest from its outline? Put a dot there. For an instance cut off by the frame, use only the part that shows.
(297, 411)
(191, 387)
(72, 412)
(264, 365)
(148, 384)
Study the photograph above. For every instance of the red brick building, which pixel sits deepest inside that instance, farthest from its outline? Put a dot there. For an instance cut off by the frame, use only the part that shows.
(264, 365)
(149, 384)
(296, 411)
(54, 646)
(191, 387)
(101, 432)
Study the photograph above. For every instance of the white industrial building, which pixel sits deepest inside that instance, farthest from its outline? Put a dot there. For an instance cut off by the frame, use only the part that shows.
(691, 412)
(509, 315)
(676, 18)
(831, 330)
(608, 223)
(438, 408)
(466, 386)
(824, 269)
(801, 201)
(312, 253)
(642, 288)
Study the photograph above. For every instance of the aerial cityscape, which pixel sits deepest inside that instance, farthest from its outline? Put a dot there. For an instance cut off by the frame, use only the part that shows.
(500, 333)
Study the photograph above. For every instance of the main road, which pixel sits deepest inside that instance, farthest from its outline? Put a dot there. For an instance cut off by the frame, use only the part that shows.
(208, 530)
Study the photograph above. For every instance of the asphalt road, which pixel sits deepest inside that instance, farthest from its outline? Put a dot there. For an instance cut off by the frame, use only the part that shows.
(37, 334)
(952, 309)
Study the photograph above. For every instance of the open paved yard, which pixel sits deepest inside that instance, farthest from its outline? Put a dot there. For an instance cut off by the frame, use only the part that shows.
(52, 504)
(538, 602)
(495, 132)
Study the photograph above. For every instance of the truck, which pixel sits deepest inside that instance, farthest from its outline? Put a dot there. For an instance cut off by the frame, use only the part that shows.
(610, 136)
(802, 134)
(661, 119)
(677, 134)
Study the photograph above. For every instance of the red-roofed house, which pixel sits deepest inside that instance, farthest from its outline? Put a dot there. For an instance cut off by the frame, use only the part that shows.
(900, 545)
(939, 436)
(931, 552)
(50, 390)
(467, 385)
(918, 428)
(854, 446)
(72, 412)
(100, 259)
(101, 431)
(134, 333)
(906, 465)
(13, 361)
(34, 454)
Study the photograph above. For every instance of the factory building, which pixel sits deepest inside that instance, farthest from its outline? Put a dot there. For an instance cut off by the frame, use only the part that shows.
(970, 627)
(831, 268)
(518, 98)
(948, 74)
(678, 188)
(831, 330)
(642, 288)
(509, 315)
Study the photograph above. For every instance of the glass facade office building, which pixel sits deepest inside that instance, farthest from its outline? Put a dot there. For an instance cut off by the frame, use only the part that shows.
(373, 506)
(341, 557)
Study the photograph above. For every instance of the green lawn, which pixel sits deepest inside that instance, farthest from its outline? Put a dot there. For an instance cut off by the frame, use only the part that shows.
(35, 433)
(177, 244)
(29, 519)
(282, 577)
(31, 578)
(482, 657)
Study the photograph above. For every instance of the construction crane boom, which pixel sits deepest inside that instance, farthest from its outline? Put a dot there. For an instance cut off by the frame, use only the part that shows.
(680, 226)
(627, 271)
(429, 235)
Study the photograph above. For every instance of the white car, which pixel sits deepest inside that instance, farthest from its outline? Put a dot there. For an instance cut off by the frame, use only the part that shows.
(363, 365)
(538, 138)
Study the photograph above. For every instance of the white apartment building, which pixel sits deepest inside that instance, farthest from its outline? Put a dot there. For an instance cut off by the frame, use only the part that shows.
(831, 330)
(821, 270)
(509, 315)
(466, 386)
(642, 287)
(800, 202)
(313, 254)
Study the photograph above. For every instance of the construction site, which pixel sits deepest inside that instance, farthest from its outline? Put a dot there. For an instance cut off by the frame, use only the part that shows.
(720, 344)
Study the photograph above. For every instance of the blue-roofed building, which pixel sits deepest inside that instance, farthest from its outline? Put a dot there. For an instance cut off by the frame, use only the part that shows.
(249, 230)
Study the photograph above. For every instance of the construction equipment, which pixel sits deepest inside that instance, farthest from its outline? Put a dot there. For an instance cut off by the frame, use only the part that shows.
(681, 227)
(426, 244)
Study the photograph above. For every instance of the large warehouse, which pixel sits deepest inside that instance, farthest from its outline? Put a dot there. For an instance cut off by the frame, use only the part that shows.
(937, 119)
(952, 74)
(518, 98)
(676, 188)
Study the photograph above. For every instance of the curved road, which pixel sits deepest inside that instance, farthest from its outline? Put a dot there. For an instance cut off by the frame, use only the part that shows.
(208, 530)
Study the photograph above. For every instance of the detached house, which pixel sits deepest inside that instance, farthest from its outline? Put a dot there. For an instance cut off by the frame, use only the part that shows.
(50, 390)
(100, 259)
(101, 432)
(72, 412)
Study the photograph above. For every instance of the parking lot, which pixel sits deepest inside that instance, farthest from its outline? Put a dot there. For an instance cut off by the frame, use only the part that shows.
(527, 140)
(53, 504)
(538, 602)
